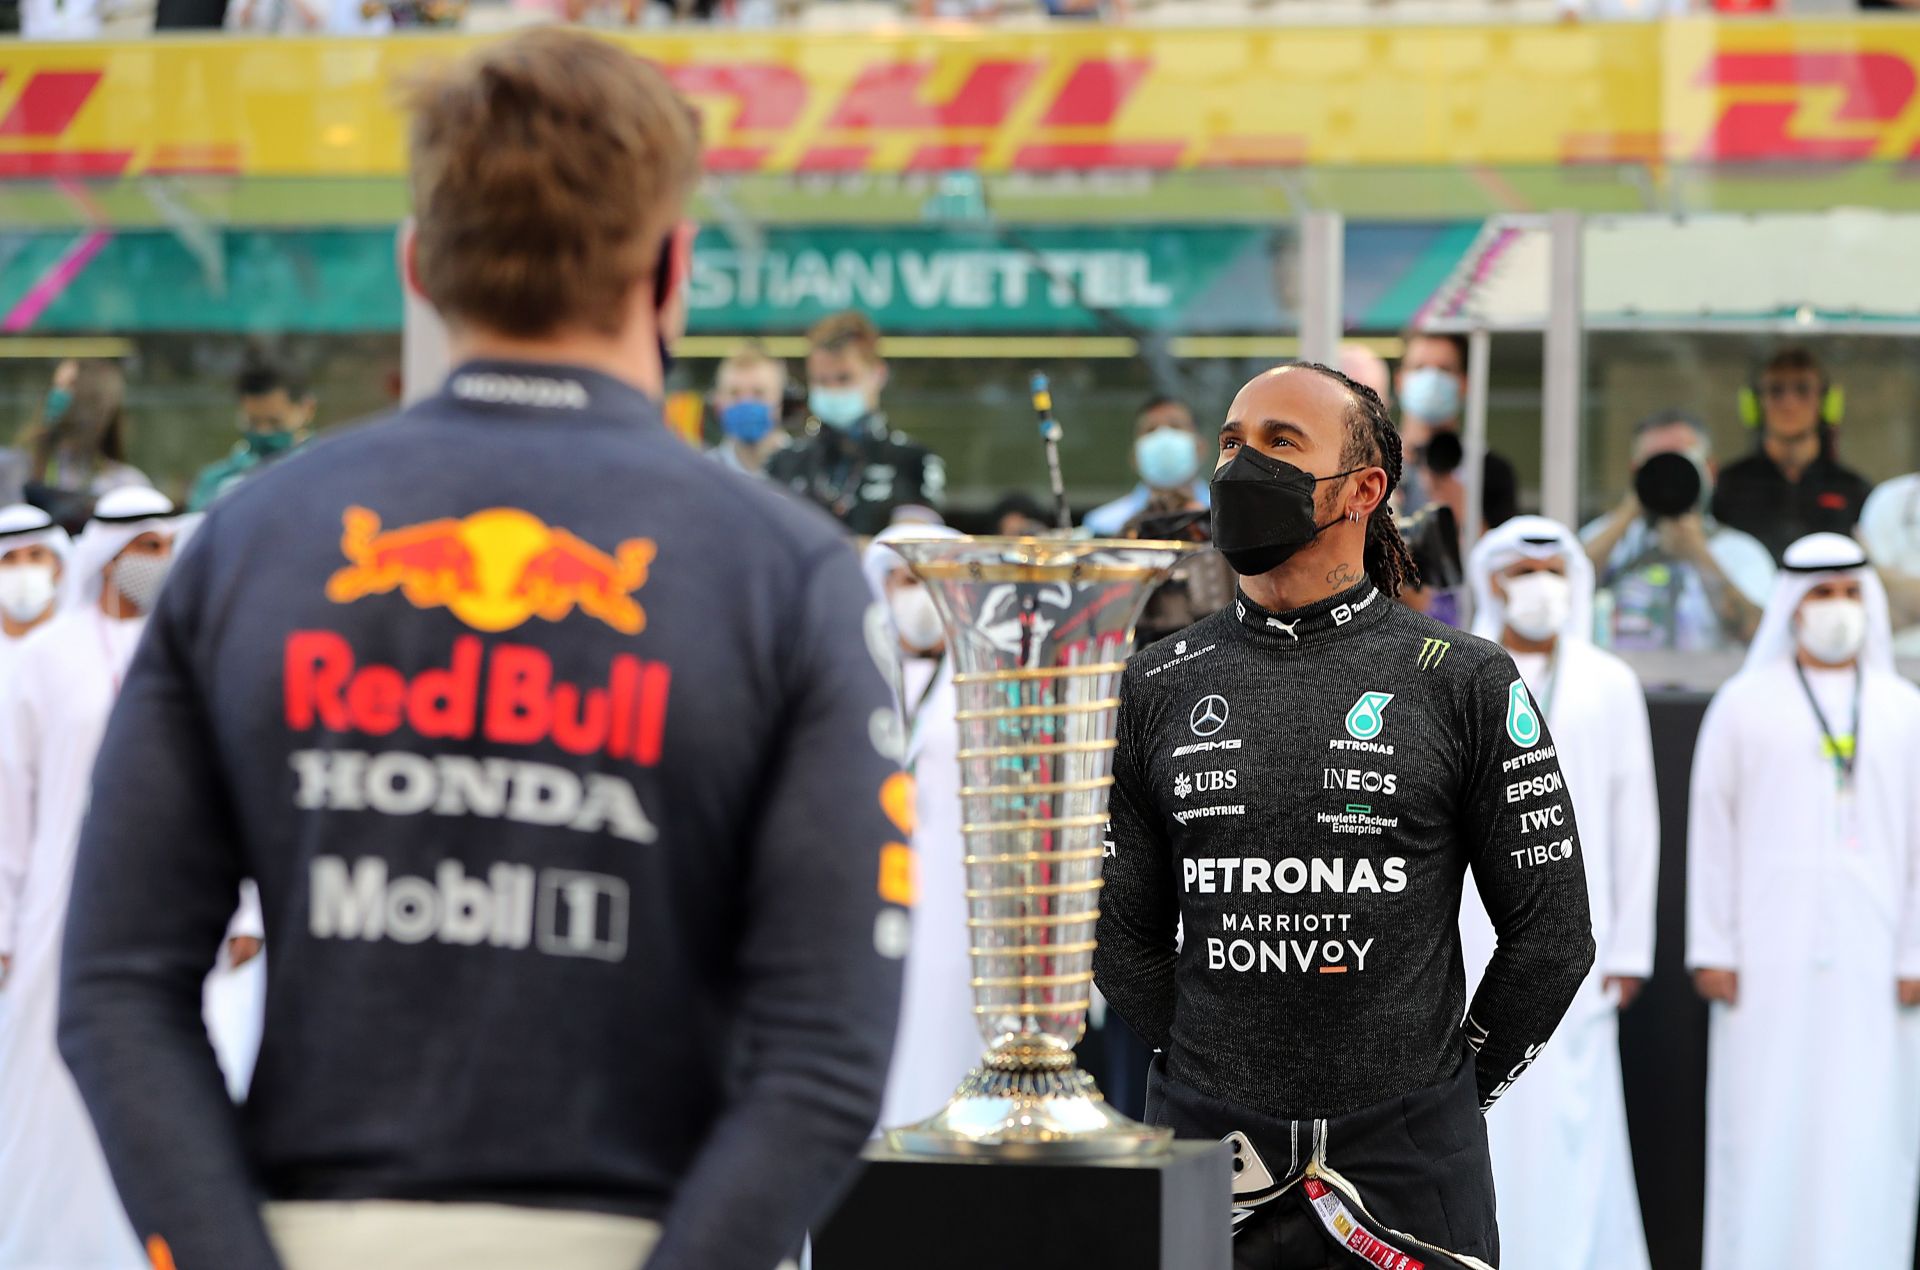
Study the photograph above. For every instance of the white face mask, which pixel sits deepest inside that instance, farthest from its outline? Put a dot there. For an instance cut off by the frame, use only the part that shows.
(1832, 631)
(26, 591)
(1538, 604)
(916, 618)
(140, 577)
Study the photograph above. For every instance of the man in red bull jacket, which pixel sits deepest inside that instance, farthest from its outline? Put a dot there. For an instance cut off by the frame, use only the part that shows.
(580, 859)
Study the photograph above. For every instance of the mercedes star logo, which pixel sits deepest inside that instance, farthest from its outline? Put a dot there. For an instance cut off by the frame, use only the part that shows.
(1209, 716)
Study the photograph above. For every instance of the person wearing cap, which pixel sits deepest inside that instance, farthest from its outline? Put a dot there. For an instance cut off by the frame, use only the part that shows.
(1803, 930)
(57, 1203)
(1562, 1165)
(33, 557)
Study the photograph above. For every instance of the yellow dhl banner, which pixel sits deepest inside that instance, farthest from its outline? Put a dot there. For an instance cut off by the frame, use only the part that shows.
(1682, 92)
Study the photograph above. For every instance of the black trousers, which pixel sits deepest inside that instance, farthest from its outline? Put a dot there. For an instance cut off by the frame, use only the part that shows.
(1406, 1184)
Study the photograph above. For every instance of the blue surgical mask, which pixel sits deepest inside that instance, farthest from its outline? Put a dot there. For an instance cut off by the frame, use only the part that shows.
(837, 407)
(1167, 458)
(58, 402)
(747, 422)
(1431, 394)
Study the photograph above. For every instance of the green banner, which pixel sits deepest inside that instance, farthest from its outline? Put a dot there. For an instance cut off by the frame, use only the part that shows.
(930, 279)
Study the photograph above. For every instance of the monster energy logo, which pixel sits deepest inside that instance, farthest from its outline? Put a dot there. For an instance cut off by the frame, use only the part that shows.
(1431, 651)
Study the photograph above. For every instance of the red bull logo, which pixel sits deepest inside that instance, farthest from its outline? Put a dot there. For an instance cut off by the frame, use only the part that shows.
(494, 570)
(509, 694)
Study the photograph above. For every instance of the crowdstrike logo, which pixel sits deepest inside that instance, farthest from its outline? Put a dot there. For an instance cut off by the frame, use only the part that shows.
(1209, 715)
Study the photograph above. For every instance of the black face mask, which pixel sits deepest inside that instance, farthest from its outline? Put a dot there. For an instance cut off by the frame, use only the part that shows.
(1263, 511)
(662, 272)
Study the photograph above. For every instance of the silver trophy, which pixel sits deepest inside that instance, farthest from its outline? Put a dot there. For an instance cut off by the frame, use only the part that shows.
(1039, 630)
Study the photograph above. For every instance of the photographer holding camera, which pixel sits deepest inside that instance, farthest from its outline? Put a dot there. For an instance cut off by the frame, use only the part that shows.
(1669, 576)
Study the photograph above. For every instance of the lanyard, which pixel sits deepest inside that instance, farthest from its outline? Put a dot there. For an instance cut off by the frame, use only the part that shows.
(1843, 762)
(1553, 682)
(919, 708)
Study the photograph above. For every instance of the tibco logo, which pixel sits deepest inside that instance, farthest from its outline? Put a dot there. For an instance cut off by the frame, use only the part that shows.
(1544, 853)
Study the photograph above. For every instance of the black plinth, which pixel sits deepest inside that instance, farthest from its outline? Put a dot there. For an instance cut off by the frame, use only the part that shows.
(1169, 1211)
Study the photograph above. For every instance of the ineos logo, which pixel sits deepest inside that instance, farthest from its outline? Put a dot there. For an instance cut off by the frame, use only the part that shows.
(1209, 716)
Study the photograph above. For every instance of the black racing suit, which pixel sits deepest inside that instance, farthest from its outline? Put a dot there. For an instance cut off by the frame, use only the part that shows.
(1305, 792)
(863, 475)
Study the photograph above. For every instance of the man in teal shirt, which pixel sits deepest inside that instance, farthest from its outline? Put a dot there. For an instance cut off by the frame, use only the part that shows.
(275, 412)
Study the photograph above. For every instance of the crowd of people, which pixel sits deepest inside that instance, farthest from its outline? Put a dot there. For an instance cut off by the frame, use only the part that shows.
(1803, 841)
(559, 844)
(1785, 552)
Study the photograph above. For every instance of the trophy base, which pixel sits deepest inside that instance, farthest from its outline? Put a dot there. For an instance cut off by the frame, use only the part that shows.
(1028, 1114)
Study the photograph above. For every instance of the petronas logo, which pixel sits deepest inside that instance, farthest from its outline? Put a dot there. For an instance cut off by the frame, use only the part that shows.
(1364, 721)
(1523, 725)
(1431, 651)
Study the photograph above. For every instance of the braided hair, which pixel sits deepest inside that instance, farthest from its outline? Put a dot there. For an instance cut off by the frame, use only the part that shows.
(1374, 440)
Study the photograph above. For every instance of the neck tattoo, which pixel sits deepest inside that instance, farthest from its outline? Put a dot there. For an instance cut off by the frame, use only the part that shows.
(1343, 576)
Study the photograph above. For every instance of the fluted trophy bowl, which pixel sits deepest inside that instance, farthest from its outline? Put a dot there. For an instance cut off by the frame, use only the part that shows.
(1039, 630)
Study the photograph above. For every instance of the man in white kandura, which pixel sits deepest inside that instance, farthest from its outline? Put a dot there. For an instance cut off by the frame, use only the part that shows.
(1562, 1167)
(1803, 929)
(33, 559)
(938, 1042)
(58, 1208)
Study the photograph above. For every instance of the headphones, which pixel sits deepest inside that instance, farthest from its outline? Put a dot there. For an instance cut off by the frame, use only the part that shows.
(1833, 404)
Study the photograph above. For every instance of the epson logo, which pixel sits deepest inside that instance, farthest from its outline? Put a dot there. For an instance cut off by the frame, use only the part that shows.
(1356, 780)
(1535, 787)
(521, 390)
